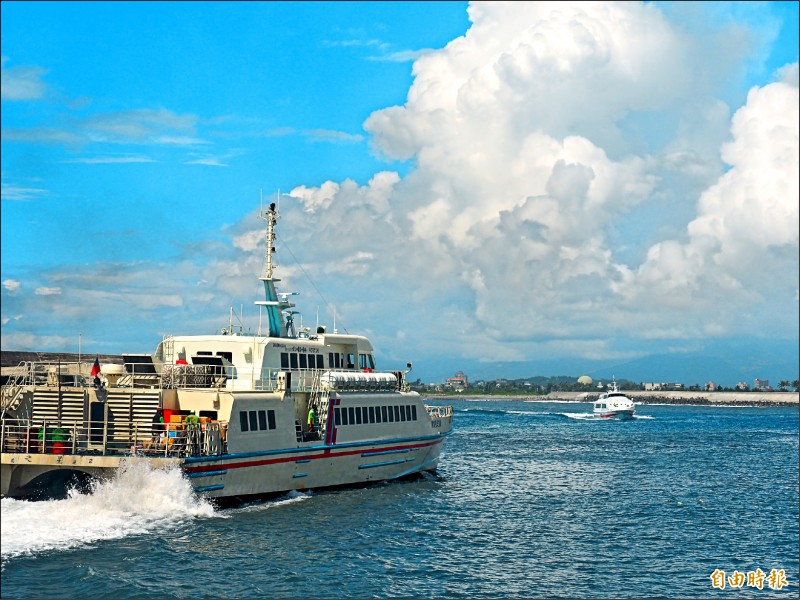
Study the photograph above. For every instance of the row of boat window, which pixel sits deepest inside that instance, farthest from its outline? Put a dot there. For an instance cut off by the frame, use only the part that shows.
(358, 415)
(263, 420)
(257, 420)
(336, 360)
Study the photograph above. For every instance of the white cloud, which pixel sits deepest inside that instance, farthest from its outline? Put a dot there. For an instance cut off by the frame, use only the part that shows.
(21, 82)
(11, 285)
(526, 168)
(48, 291)
(20, 193)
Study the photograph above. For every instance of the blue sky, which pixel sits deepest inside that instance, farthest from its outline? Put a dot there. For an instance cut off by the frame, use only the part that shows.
(508, 189)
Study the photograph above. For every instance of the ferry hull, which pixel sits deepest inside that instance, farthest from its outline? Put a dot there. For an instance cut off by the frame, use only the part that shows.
(272, 472)
(617, 415)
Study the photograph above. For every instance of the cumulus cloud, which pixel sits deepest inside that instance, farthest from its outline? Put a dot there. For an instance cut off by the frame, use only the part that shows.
(532, 139)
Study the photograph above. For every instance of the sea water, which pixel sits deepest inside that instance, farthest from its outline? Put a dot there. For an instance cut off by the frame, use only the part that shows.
(531, 500)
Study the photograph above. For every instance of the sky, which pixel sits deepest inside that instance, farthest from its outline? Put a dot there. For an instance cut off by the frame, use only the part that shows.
(508, 189)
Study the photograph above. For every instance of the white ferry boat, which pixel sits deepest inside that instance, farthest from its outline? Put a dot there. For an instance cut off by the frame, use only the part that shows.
(243, 416)
(613, 404)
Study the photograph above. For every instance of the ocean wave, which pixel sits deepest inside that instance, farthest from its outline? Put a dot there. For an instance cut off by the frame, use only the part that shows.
(137, 500)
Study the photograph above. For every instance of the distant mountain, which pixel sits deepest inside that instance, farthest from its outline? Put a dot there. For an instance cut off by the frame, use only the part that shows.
(724, 362)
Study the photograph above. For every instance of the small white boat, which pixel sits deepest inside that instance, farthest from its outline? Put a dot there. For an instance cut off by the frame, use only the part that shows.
(613, 404)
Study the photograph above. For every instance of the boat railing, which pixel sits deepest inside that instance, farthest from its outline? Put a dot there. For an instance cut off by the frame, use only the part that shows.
(192, 376)
(112, 438)
(439, 412)
(42, 373)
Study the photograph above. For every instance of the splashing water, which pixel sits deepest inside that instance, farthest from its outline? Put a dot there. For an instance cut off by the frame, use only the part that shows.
(138, 499)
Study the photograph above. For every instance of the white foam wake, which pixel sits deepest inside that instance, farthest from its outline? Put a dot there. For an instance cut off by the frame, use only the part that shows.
(136, 500)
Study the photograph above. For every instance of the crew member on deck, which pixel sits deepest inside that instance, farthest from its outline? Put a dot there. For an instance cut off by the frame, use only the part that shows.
(312, 419)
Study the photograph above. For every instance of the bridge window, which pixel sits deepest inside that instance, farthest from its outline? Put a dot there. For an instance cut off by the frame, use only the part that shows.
(284, 360)
(293, 360)
(303, 361)
(413, 412)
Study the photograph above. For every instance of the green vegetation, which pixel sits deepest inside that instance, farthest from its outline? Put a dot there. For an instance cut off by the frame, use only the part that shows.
(541, 386)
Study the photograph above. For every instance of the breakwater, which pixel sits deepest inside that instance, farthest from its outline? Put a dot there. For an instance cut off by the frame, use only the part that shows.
(687, 398)
(691, 398)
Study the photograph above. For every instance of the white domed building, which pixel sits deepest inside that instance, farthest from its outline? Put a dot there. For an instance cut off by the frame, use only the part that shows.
(585, 380)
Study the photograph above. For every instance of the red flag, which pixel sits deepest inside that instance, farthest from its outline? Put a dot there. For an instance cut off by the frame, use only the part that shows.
(96, 366)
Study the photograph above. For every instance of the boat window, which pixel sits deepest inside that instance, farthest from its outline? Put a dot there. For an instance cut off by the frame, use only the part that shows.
(284, 360)
(402, 410)
(293, 360)
(262, 420)
(226, 355)
(253, 421)
(204, 353)
(319, 362)
(378, 415)
(303, 361)
(243, 421)
(337, 416)
(371, 414)
(358, 415)
(390, 411)
(396, 413)
(364, 414)
(413, 412)
(384, 414)
(351, 361)
(271, 419)
(351, 414)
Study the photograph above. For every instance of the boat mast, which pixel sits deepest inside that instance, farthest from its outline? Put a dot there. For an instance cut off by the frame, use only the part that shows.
(275, 306)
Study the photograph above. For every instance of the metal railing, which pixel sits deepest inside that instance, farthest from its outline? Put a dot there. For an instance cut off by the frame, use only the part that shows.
(439, 412)
(113, 437)
(168, 376)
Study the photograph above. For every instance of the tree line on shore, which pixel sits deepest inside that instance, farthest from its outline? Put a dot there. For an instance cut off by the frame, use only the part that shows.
(535, 386)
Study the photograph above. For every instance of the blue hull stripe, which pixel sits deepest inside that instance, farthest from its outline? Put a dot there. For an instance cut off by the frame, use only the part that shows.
(385, 464)
(207, 473)
(209, 488)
